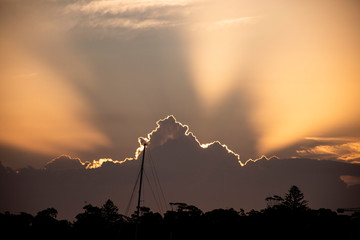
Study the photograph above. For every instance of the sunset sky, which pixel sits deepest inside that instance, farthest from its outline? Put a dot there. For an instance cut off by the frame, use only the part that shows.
(87, 78)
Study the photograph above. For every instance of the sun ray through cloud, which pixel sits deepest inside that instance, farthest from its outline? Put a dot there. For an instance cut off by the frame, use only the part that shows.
(147, 140)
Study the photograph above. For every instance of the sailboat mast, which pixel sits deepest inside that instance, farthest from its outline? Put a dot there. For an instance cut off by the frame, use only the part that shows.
(140, 186)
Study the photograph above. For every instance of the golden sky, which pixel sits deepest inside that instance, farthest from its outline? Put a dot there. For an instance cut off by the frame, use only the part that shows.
(88, 78)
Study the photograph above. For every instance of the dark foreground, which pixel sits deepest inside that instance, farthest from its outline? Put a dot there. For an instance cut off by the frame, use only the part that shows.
(285, 217)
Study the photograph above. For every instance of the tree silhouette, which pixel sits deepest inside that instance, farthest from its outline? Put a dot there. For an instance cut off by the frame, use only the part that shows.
(110, 212)
(48, 213)
(294, 199)
(91, 223)
(274, 200)
(45, 225)
(290, 218)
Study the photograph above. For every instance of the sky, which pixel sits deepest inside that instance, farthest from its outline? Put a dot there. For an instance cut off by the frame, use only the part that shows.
(87, 78)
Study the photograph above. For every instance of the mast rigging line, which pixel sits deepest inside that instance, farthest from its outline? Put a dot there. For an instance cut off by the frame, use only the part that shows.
(158, 204)
(132, 195)
(140, 185)
(158, 194)
(158, 188)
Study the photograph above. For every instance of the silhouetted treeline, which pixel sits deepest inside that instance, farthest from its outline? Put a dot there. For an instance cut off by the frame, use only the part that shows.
(287, 217)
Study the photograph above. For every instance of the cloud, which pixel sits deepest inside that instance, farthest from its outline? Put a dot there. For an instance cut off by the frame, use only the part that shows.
(332, 139)
(167, 129)
(144, 14)
(65, 162)
(208, 178)
(350, 180)
(345, 149)
(170, 129)
(124, 6)
(235, 21)
(130, 23)
(206, 175)
(98, 163)
(126, 14)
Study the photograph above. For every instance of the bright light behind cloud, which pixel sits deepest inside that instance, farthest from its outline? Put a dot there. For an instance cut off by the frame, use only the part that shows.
(309, 81)
(169, 129)
(213, 64)
(40, 111)
(215, 41)
(295, 65)
(298, 62)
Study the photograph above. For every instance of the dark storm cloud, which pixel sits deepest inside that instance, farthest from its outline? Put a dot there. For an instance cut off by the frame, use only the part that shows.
(65, 162)
(209, 178)
(167, 130)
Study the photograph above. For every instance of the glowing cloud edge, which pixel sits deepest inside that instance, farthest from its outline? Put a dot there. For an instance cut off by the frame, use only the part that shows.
(141, 140)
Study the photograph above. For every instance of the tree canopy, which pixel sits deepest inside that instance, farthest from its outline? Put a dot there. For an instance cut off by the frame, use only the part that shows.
(287, 215)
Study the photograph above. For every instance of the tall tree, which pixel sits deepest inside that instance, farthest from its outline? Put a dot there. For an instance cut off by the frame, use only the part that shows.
(294, 199)
(110, 211)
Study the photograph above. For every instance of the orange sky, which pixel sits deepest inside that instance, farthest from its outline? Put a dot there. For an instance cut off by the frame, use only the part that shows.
(89, 78)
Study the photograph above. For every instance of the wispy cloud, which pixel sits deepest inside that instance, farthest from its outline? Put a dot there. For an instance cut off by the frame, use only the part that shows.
(130, 23)
(236, 21)
(123, 6)
(343, 148)
(333, 139)
(350, 180)
(140, 14)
